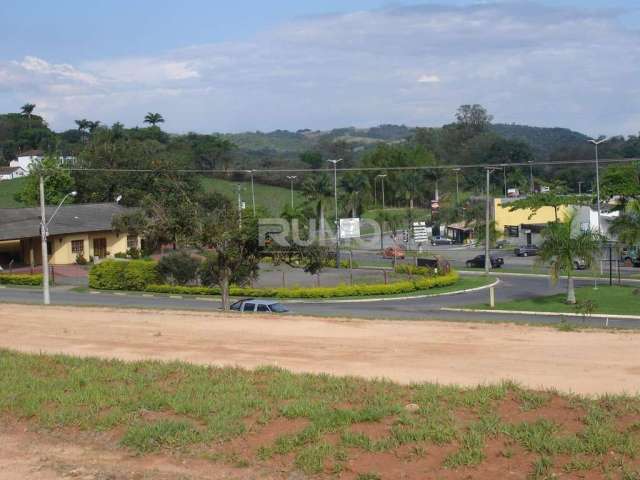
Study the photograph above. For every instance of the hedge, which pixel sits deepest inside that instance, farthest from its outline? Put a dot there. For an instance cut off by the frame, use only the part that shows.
(403, 287)
(123, 275)
(20, 279)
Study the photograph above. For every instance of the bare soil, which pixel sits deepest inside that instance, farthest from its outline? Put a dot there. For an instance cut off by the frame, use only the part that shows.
(587, 362)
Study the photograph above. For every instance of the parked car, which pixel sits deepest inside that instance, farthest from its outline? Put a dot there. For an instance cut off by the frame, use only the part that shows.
(439, 240)
(478, 262)
(260, 306)
(630, 256)
(526, 251)
(501, 244)
(580, 264)
(394, 252)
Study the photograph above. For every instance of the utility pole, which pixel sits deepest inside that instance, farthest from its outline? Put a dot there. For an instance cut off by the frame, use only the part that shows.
(335, 197)
(487, 219)
(531, 187)
(253, 193)
(580, 188)
(504, 179)
(597, 143)
(239, 207)
(43, 238)
(291, 179)
(382, 177)
(457, 170)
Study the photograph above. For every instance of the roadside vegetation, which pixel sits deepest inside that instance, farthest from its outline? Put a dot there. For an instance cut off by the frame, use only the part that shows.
(332, 427)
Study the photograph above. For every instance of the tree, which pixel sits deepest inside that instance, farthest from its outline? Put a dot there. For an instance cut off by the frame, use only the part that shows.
(564, 245)
(627, 226)
(57, 183)
(317, 189)
(473, 119)
(83, 128)
(313, 159)
(153, 119)
(178, 268)
(536, 201)
(354, 186)
(27, 109)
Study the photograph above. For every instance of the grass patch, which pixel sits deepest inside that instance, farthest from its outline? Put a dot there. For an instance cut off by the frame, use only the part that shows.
(606, 299)
(176, 408)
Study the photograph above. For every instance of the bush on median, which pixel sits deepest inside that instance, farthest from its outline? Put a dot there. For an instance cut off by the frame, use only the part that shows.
(21, 279)
(396, 288)
(123, 275)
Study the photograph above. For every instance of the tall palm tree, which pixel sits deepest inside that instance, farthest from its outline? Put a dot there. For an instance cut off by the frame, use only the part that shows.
(564, 245)
(627, 226)
(27, 109)
(93, 125)
(317, 189)
(355, 186)
(153, 119)
(83, 126)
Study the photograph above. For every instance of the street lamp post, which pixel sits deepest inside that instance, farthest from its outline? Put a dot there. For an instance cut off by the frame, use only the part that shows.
(44, 224)
(291, 179)
(531, 186)
(580, 188)
(504, 180)
(487, 219)
(597, 143)
(253, 193)
(382, 176)
(238, 187)
(335, 197)
(457, 171)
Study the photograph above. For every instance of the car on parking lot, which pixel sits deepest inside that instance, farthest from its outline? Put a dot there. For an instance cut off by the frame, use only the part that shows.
(526, 251)
(439, 240)
(394, 252)
(478, 262)
(250, 305)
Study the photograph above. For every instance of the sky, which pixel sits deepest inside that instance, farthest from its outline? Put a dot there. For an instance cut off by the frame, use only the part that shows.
(220, 66)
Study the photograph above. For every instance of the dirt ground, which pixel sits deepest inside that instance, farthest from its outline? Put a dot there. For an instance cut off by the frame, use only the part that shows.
(589, 362)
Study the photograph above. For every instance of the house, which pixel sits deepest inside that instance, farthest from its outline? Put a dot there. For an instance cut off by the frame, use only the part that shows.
(9, 173)
(83, 229)
(523, 226)
(25, 159)
(461, 232)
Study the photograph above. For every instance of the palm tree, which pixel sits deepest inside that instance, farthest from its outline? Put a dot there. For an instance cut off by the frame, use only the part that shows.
(627, 226)
(317, 189)
(354, 186)
(564, 246)
(27, 109)
(153, 119)
(83, 126)
(93, 125)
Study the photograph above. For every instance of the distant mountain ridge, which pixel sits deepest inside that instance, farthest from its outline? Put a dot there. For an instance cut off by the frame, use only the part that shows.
(543, 140)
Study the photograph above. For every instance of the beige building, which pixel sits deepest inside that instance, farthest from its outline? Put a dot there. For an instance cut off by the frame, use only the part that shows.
(524, 225)
(76, 230)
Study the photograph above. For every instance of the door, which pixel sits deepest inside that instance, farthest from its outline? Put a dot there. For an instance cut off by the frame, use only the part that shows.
(100, 247)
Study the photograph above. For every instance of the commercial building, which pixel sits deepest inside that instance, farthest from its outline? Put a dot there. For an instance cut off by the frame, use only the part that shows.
(84, 229)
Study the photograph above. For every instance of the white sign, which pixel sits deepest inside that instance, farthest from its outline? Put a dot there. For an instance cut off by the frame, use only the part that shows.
(420, 232)
(349, 228)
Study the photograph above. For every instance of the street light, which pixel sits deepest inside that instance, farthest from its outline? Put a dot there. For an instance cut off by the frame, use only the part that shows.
(291, 178)
(253, 192)
(580, 188)
(382, 176)
(504, 179)
(335, 195)
(457, 170)
(44, 224)
(597, 143)
(487, 217)
(531, 188)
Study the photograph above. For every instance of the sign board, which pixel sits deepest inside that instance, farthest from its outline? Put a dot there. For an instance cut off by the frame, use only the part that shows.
(349, 228)
(420, 232)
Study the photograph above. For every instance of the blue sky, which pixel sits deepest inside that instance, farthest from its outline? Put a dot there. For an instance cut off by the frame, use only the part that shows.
(247, 65)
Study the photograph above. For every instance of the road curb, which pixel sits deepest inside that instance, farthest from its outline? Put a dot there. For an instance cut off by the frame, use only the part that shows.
(388, 299)
(541, 314)
(540, 275)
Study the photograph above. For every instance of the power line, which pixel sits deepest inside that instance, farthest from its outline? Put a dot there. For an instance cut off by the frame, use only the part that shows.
(356, 169)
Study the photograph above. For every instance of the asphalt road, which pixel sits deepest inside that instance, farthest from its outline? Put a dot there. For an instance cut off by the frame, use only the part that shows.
(510, 288)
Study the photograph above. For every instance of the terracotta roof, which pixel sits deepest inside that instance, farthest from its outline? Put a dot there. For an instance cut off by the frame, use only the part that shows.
(17, 223)
(30, 153)
(9, 170)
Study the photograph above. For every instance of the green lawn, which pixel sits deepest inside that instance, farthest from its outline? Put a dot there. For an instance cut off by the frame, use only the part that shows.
(327, 427)
(8, 189)
(606, 299)
(270, 198)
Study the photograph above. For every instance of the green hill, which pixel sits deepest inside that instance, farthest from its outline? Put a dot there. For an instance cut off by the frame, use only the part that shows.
(543, 140)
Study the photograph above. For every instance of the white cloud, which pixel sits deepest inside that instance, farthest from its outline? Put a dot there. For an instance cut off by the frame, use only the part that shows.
(525, 62)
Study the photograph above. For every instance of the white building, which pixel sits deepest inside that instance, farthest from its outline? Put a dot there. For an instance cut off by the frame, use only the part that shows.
(24, 160)
(9, 173)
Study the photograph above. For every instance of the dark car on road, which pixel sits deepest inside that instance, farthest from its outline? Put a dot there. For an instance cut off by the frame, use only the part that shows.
(254, 305)
(478, 262)
(441, 241)
(526, 251)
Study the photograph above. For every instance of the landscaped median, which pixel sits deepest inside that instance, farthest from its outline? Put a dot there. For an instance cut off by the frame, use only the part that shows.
(21, 279)
(141, 275)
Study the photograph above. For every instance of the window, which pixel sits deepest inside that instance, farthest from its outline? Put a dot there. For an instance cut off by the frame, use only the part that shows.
(249, 307)
(132, 242)
(263, 308)
(512, 231)
(278, 308)
(77, 247)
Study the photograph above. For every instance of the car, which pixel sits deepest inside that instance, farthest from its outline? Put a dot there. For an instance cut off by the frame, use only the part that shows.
(526, 251)
(501, 244)
(478, 262)
(394, 252)
(248, 305)
(580, 264)
(438, 240)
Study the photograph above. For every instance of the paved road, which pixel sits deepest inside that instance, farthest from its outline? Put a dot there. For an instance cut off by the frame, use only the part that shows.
(510, 288)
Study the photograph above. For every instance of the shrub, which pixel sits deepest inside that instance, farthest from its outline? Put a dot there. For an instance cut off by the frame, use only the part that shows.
(178, 268)
(123, 275)
(120, 255)
(20, 279)
(134, 253)
(80, 260)
(331, 263)
(396, 288)
(410, 269)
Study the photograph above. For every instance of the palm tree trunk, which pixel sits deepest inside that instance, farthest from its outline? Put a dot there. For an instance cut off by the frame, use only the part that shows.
(321, 228)
(224, 291)
(571, 291)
